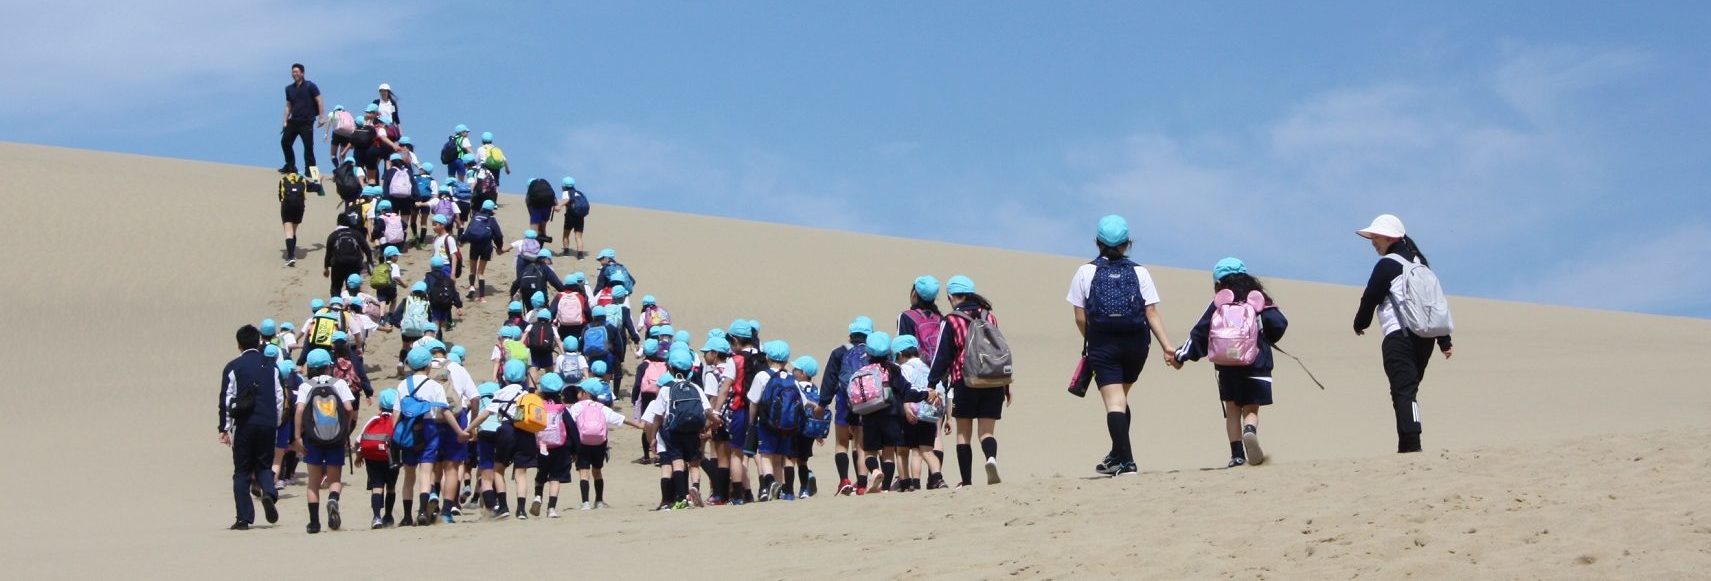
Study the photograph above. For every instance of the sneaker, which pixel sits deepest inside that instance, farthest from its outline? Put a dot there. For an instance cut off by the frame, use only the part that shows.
(407, 522)
(457, 511)
(786, 497)
(239, 526)
(586, 506)
(386, 521)
(1234, 462)
(992, 472)
(269, 510)
(522, 514)
(333, 514)
(806, 494)
(601, 504)
(313, 528)
(663, 508)
(937, 484)
(766, 495)
(552, 513)
(535, 507)
(1108, 466)
(378, 523)
(811, 487)
(501, 515)
(285, 169)
(433, 506)
(446, 518)
(1126, 469)
(680, 505)
(315, 176)
(1250, 440)
(845, 488)
(291, 262)
(738, 502)
(470, 294)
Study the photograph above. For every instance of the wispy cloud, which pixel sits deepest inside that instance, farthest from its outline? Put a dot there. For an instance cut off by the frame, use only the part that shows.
(1646, 272)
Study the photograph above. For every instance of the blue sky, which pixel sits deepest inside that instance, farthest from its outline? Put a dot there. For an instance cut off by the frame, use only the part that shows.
(1553, 152)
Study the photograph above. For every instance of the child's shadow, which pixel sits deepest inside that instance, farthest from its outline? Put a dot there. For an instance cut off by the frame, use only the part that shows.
(304, 252)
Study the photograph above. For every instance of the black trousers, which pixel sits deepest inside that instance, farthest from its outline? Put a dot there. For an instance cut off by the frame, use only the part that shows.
(304, 130)
(340, 273)
(252, 461)
(1405, 358)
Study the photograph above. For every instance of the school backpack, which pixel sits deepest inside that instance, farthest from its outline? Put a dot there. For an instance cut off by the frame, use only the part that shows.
(380, 276)
(928, 326)
(591, 424)
(399, 185)
(985, 353)
(487, 184)
(595, 343)
(448, 152)
(392, 228)
(347, 247)
(442, 290)
(414, 320)
(515, 349)
(393, 132)
(572, 308)
(445, 207)
(327, 417)
(684, 413)
(344, 370)
(655, 316)
(1234, 337)
(1114, 302)
(531, 413)
(1419, 300)
(291, 189)
(572, 368)
(343, 123)
(346, 182)
(870, 389)
(407, 429)
(784, 404)
(531, 280)
(854, 358)
(539, 336)
(555, 434)
(813, 427)
(495, 158)
(578, 203)
(321, 329)
(616, 272)
(540, 193)
(373, 444)
(650, 376)
(480, 228)
(460, 190)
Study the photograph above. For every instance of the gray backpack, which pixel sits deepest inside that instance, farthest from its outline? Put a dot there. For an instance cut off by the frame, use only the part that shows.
(1419, 300)
(985, 353)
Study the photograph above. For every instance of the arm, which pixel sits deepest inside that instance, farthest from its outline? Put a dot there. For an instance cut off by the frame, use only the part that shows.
(320, 109)
(228, 391)
(941, 367)
(1273, 324)
(297, 422)
(1081, 321)
(829, 380)
(1195, 347)
(1157, 324)
(1377, 290)
(630, 327)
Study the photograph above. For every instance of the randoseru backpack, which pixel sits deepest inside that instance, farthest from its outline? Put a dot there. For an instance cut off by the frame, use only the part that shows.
(327, 418)
(986, 358)
(684, 413)
(1419, 300)
(1114, 302)
(1234, 337)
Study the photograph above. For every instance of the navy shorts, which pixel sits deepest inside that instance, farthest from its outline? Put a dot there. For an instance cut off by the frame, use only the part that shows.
(1117, 359)
(881, 430)
(452, 450)
(525, 453)
(772, 442)
(1244, 390)
(804, 447)
(323, 455)
(556, 465)
(430, 452)
(594, 457)
(486, 444)
(540, 215)
(685, 446)
(573, 222)
(481, 250)
(282, 435)
(920, 434)
(844, 417)
(736, 424)
(381, 474)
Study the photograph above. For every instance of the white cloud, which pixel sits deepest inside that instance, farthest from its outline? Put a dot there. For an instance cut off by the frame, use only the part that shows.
(1649, 273)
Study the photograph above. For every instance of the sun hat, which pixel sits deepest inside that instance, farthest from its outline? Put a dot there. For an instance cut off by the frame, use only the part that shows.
(926, 287)
(552, 383)
(862, 325)
(1385, 225)
(571, 344)
(487, 137)
(1113, 230)
(680, 360)
(878, 345)
(269, 328)
(607, 254)
(717, 345)
(776, 350)
(904, 343)
(319, 358)
(387, 398)
(807, 365)
(317, 304)
(1228, 266)
(270, 350)
(960, 285)
(418, 358)
(385, 87)
(515, 370)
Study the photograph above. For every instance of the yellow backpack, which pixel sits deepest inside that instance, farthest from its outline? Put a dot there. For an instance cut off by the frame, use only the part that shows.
(321, 329)
(516, 350)
(495, 158)
(531, 413)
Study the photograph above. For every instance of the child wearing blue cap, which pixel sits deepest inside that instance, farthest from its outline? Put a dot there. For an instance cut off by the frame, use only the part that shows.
(971, 407)
(773, 439)
(575, 205)
(923, 320)
(500, 445)
(882, 429)
(679, 416)
(321, 435)
(571, 307)
(399, 182)
(382, 475)
(646, 388)
(284, 457)
(718, 376)
(922, 420)
(385, 278)
(802, 371)
(482, 233)
(592, 419)
(421, 391)
(389, 230)
(846, 431)
(1237, 332)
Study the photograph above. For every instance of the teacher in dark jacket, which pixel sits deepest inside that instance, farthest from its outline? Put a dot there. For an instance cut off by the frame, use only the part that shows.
(250, 397)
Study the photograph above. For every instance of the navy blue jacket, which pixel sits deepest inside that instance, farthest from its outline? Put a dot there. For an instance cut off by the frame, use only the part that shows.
(251, 368)
(1272, 326)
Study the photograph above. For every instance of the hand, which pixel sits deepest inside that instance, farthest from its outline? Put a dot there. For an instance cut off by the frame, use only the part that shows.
(226, 439)
(933, 397)
(1449, 352)
(1170, 358)
(1009, 396)
(297, 445)
(463, 437)
(1359, 332)
(326, 273)
(909, 414)
(947, 428)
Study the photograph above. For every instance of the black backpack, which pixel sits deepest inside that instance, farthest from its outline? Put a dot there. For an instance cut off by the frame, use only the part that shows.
(292, 188)
(442, 290)
(539, 337)
(531, 281)
(346, 182)
(448, 152)
(347, 248)
(480, 229)
(540, 194)
(684, 413)
(243, 402)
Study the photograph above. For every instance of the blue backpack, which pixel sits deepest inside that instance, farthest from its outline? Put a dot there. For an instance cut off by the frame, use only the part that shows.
(578, 203)
(684, 413)
(480, 228)
(407, 431)
(855, 358)
(815, 428)
(595, 343)
(1114, 301)
(460, 190)
(783, 404)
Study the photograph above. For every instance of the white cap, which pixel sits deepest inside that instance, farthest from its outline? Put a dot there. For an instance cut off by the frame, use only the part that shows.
(1384, 225)
(385, 87)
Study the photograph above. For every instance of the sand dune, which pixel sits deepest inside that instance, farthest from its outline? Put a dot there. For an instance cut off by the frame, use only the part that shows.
(1561, 442)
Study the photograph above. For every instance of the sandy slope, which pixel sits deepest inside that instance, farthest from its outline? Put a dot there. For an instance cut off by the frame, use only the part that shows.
(126, 276)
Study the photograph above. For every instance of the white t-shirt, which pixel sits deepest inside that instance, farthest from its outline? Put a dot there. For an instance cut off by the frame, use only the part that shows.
(713, 376)
(613, 418)
(387, 109)
(462, 384)
(427, 390)
(652, 415)
(1082, 285)
(339, 387)
(503, 401)
(481, 153)
(915, 372)
(445, 246)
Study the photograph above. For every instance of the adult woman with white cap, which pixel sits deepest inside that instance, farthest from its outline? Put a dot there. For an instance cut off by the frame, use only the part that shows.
(1116, 310)
(1405, 352)
(388, 106)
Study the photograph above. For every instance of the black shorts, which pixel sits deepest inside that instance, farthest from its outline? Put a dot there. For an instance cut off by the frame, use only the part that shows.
(970, 403)
(381, 474)
(920, 434)
(573, 222)
(517, 447)
(591, 456)
(340, 141)
(290, 213)
(804, 448)
(880, 430)
(1243, 390)
(406, 207)
(555, 466)
(463, 209)
(685, 446)
(386, 294)
(481, 250)
(1117, 359)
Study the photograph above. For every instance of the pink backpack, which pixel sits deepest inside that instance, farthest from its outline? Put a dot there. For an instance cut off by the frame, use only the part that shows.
(927, 328)
(571, 307)
(555, 434)
(343, 123)
(394, 233)
(870, 389)
(400, 186)
(650, 378)
(591, 424)
(1234, 339)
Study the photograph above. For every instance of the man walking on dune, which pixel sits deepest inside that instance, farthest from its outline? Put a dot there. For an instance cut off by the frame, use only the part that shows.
(302, 113)
(250, 397)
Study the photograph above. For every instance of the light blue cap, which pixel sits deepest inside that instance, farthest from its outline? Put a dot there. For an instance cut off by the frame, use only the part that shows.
(438, 261)
(516, 370)
(487, 388)
(427, 166)
(384, 205)
(662, 330)
(594, 388)
(776, 350)
(648, 300)
(681, 336)
(862, 324)
(741, 329)
(807, 365)
(717, 345)
(269, 328)
(391, 252)
(468, 159)
(538, 300)
(432, 345)
(317, 304)
(418, 358)
(571, 344)
(350, 158)
(286, 326)
(960, 285)
(286, 367)
(419, 287)
(371, 108)
(515, 307)
(461, 128)
(606, 253)
(354, 280)
(487, 137)
(578, 277)
(387, 398)
(531, 234)
(371, 191)
(650, 347)
(620, 291)
(543, 314)
(405, 140)
(319, 358)
(457, 353)
(1113, 230)
(926, 287)
(488, 206)
(904, 343)
(442, 220)
(681, 360)
(544, 254)
(270, 350)
(568, 182)
(878, 345)
(511, 332)
(1228, 266)
(395, 157)
(336, 302)
(598, 367)
(340, 336)
(552, 383)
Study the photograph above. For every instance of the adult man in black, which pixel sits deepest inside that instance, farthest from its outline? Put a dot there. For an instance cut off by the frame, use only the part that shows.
(303, 112)
(250, 396)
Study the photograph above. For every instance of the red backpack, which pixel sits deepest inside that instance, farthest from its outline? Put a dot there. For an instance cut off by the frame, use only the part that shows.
(345, 371)
(373, 446)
